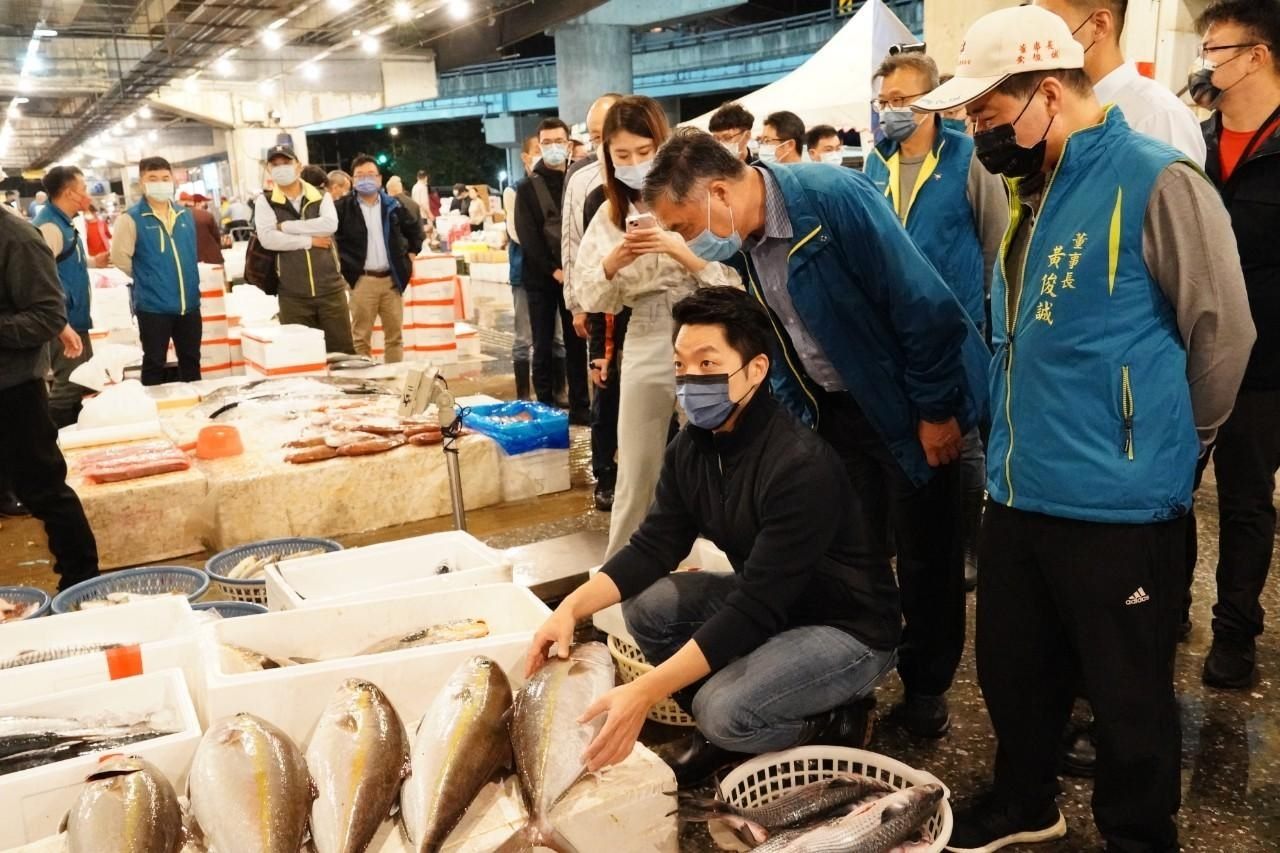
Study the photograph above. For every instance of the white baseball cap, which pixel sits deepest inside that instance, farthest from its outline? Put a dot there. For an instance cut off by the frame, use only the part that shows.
(999, 45)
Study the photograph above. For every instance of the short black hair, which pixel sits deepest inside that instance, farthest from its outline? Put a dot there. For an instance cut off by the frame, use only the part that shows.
(360, 159)
(154, 164)
(1022, 85)
(731, 116)
(818, 133)
(552, 123)
(787, 125)
(314, 175)
(688, 157)
(746, 326)
(1260, 17)
(56, 179)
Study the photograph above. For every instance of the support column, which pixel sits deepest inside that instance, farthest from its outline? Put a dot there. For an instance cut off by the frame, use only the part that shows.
(946, 23)
(591, 59)
(245, 149)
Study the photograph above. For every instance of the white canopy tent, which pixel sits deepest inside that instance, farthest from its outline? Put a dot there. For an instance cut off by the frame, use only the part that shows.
(834, 85)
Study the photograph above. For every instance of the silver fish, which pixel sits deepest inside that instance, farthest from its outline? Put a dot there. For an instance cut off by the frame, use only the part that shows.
(357, 757)
(30, 656)
(238, 659)
(249, 788)
(548, 740)
(461, 742)
(445, 632)
(796, 807)
(126, 806)
(877, 827)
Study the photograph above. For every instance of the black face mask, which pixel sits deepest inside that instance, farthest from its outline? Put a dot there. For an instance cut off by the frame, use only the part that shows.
(1200, 85)
(999, 152)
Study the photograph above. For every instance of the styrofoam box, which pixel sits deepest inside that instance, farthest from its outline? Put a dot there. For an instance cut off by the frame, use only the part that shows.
(434, 266)
(35, 800)
(215, 354)
(164, 629)
(293, 697)
(215, 329)
(282, 347)
(704, 556)
(314, 581)
(491, 272)
(536, 472)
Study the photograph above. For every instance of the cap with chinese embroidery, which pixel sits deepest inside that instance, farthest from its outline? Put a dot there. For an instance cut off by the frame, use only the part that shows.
(999, 45)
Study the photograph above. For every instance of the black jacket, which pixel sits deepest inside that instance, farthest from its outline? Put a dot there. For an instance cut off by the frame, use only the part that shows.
(1252, 197)
(775, 497)
(403, 234)
(541, 256)
(33, 309)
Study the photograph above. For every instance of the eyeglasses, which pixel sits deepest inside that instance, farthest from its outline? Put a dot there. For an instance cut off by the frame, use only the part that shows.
(881, 104)
(764, 140)
(729, 135)
(1203, 49)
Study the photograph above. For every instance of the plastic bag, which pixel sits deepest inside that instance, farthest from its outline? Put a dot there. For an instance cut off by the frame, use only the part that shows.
(106, 367)
(521, 426)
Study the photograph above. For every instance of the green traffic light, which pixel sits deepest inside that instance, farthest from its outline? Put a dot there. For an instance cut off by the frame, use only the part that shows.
(382, 159)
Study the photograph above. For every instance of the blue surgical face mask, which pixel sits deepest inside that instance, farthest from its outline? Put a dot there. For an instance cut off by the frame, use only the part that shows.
(768, 153)
(705, 399)
(555, 155)
(367, 186)
(634, 175)
(898, 125)
(710, 246)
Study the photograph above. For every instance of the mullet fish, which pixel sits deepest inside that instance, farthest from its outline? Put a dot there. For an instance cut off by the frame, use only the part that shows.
(877, 827)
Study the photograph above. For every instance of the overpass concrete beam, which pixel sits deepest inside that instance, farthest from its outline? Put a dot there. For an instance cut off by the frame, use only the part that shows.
(627, 13)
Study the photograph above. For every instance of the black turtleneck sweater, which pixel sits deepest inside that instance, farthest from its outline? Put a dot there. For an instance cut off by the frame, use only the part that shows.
(775, 498)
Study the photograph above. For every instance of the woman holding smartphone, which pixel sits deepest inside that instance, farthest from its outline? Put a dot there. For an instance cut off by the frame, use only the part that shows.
(627, 260)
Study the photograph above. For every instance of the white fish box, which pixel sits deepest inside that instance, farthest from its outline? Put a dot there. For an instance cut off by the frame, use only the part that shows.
(293, 697)
(434, 266)
(533, 473)
(35, 800)
(705, 556)
(363, 573)
(164, 631)
(624, 809)
(283, 351)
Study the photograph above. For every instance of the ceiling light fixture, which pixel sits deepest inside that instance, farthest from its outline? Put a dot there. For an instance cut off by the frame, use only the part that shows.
(131, 122)
(395, 131)
(311, 71)
(369, 45)
(42, 33)
(145, 113)
(272, 40)
(277, 23)
(459, 9)
(223, 67)
(339, 5)
(403, 11)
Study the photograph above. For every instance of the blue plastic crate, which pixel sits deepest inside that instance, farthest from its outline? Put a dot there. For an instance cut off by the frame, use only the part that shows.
(27, 595)
(546, 429)
(231, 609)
(153, 580)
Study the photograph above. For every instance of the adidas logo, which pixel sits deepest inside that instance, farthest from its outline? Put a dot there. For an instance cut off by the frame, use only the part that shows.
(1139, 597)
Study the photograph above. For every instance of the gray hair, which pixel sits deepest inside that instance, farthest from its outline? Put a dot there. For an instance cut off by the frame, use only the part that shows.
(689, 158)
(338, 175)
(918, 62)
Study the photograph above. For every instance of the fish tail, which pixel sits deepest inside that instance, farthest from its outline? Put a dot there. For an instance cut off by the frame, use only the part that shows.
(694, 809)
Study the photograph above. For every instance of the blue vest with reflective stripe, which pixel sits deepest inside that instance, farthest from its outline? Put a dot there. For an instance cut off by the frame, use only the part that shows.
(166, 275)
(1091, 411)
(939, 213)
(73, 268)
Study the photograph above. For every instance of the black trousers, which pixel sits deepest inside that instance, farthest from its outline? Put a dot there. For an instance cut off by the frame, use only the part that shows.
(37, 473)
(156, 330)
(544, 303)
(926, 524)
(605, 401)
(1063, 600)
(1245, 460)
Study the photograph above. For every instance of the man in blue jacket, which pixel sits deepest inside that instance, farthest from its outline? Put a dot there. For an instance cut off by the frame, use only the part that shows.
(68, 196)
(1122, 331)
(874, 351)
(155, 242)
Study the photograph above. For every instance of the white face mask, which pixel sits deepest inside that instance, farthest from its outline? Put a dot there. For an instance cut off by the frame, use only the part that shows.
(158, 190)
(833, 158)
(284, 175)
(634, 175)
(733, 148)
(768, 153)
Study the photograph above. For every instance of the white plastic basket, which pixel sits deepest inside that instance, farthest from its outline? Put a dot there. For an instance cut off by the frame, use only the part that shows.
(769, 776)
(632, 665)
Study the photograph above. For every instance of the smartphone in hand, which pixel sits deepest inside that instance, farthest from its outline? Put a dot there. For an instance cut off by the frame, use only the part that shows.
(641, 221)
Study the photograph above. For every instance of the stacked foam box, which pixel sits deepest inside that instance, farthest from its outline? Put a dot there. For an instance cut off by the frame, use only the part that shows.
(271, 351)
(428, 320)
(215, 338)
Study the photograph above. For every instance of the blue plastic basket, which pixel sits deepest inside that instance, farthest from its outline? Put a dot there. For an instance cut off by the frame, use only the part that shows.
(547, 427)
(231, 609)
(153, 580)
(27, 595)
(255, 591)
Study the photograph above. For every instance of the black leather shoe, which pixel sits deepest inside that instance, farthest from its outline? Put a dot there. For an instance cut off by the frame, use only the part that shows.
(1080, 754)
(849, 725)
(1230, 664)
(11, 507)
(696, 759)
(922, 716)
(604, 497)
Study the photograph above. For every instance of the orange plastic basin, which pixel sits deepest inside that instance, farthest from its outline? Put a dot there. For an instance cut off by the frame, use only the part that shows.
(218, 441)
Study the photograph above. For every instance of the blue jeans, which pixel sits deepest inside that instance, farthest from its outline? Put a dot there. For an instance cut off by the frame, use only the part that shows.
(758, 703)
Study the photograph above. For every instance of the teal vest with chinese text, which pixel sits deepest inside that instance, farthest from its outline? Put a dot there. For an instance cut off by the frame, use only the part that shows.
(1091, 411)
